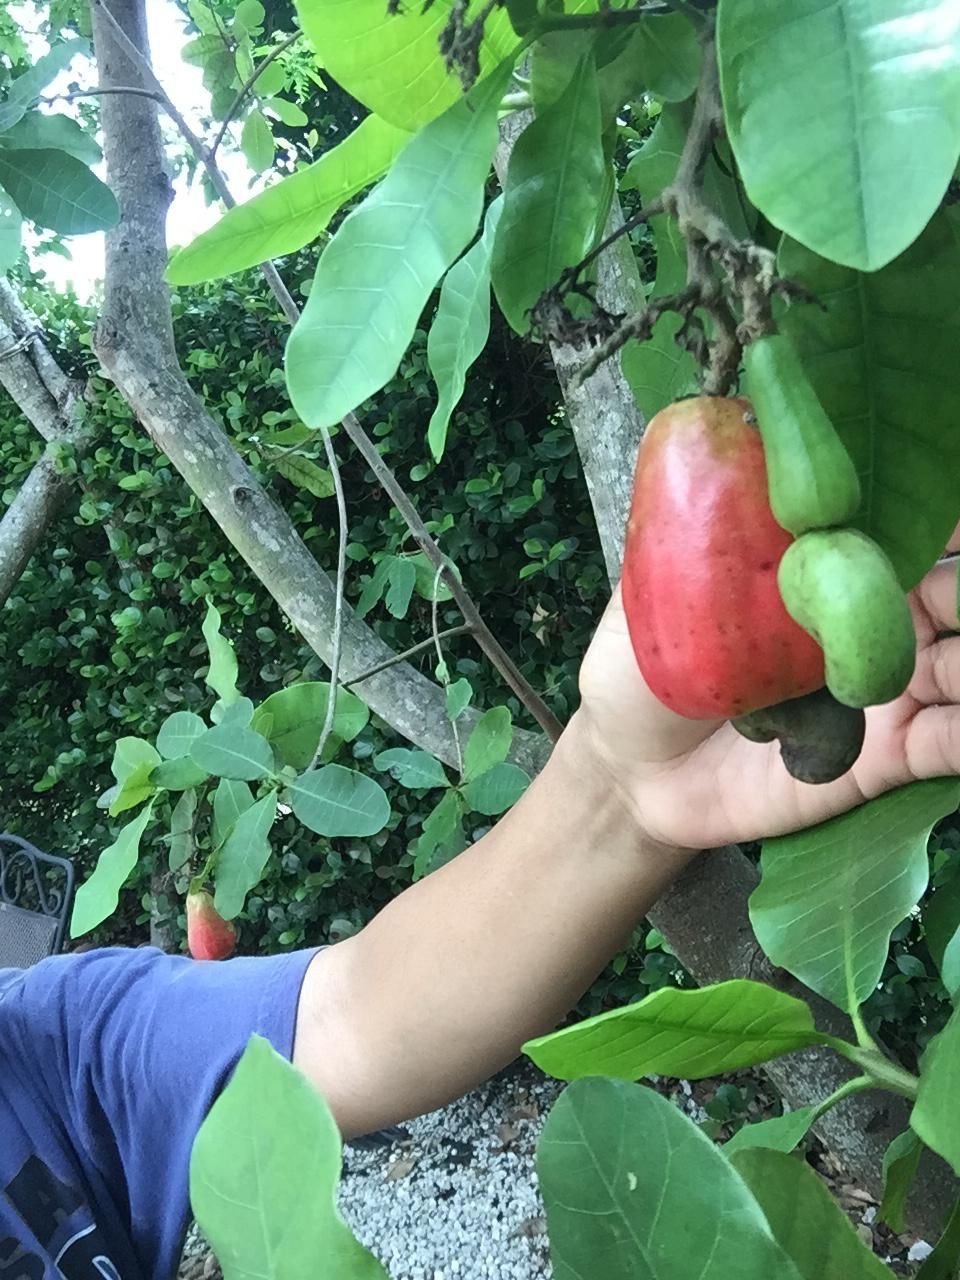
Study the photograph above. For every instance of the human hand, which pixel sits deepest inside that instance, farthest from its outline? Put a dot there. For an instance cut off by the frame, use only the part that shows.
(698, 784)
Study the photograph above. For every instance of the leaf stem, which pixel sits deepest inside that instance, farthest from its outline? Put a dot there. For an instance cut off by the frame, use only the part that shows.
(461, 630)
(247, 86)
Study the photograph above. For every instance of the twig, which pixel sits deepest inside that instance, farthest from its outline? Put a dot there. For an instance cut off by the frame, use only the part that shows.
(635, 220)
(102, 93)
(471, 614)
(443, 673)
(462, 629)
(343, 533)
(247, 86)
(485, 638)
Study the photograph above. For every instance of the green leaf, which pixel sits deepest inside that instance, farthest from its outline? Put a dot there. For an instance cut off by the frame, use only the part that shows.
(293, 212)
(11, 232)
(227, 751)
(460, 328)
(230, 800)
(288, 112)
(24, 91)
(243, 856)
(900, 1163)
(807, 1222)
(98, 897)
(250, 15)
(238, 712)
(667, 53)
(390, 62)
(497, 790)
(306, 475)
(551, 197)
(442, 833)
(950, 969)
(269, 1142)
(458, 698)
(377, 273)
(37, 130)
(334, 801)
(831, 896)
(178, 734)
(693, 1034)
(412, 768)
(181, 830)
(856, 169)
(941, 918)
(634, 1191)
(58, 191)
(488, 744)
(944, 1262)
(935, 1117)
(135, 788)
(429, 586)
(222, 676)
(523, 15)
(880, 357)
(403, 579)
(129, 755)
(292, 720)
(780, 1133)
(178, 775)
(256, 142)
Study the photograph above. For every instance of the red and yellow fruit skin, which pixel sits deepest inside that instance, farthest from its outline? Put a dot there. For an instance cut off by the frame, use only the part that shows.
(209, 936)
(708, 626)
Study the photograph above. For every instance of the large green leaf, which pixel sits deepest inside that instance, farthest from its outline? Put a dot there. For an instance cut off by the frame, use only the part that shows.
(881, 356)
(241, 860)
(779, 1133)
(134, 760)
(551, 197)
(844, 117)
(391, 62)
(178, 775)
(377, 273)
(634, 1191)
(11, 231)
(256, 142)
(414, 769)
(222, 674)
(935, 1117)
(263, 1178)
(941, 918)
(24, 91)
(181, 830)
(292, 719)
(831, 896)
(227, 751)
(230, 800)
(61, 133)
(489, 742)
(334, 801)
(98, 897)
(950, 969)
(681, 1033)
(294, 211)
(460, 328)
(442, 836)
(178, 733)
(944, 1262)
(58, 191)
(497, 790)
(666, 50)
(900, 1161)
(805, 1218)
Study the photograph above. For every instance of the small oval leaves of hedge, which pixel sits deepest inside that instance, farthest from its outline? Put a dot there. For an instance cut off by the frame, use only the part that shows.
(334, 801)
(681, 1033)
(629, 1180)
(269, 1143)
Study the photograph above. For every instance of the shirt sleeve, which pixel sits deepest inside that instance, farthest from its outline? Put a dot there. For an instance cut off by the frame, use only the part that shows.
(132, 1047)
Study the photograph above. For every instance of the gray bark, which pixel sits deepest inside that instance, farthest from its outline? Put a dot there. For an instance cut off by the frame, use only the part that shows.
(134, 341)
(29, 515)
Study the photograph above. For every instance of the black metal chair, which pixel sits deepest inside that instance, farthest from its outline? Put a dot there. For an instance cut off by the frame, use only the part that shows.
(36, 894)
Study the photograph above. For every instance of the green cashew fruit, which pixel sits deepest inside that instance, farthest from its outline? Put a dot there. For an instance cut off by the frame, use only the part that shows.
(841, 588)
(811, 479)
(820, 738)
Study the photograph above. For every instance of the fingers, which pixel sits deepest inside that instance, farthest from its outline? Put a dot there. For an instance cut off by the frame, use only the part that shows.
(932, 744)
(938, 596)
(936, 679)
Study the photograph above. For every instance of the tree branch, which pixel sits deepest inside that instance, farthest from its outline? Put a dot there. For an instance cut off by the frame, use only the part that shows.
(462, 630)
(245, 89)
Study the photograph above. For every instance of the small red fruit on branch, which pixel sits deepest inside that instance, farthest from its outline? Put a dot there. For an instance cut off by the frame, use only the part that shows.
(209, 936)
(709, 629)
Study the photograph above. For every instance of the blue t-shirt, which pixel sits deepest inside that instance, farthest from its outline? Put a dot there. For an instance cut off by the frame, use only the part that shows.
(109, 1062)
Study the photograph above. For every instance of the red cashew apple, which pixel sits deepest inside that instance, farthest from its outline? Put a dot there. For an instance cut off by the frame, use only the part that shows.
(209, 936)
(708, 626)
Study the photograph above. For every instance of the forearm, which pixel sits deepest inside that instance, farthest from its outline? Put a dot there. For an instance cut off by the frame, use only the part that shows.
(445, 985)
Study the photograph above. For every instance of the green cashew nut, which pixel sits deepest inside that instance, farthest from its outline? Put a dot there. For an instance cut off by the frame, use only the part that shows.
(841, 588)
(811, 479)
